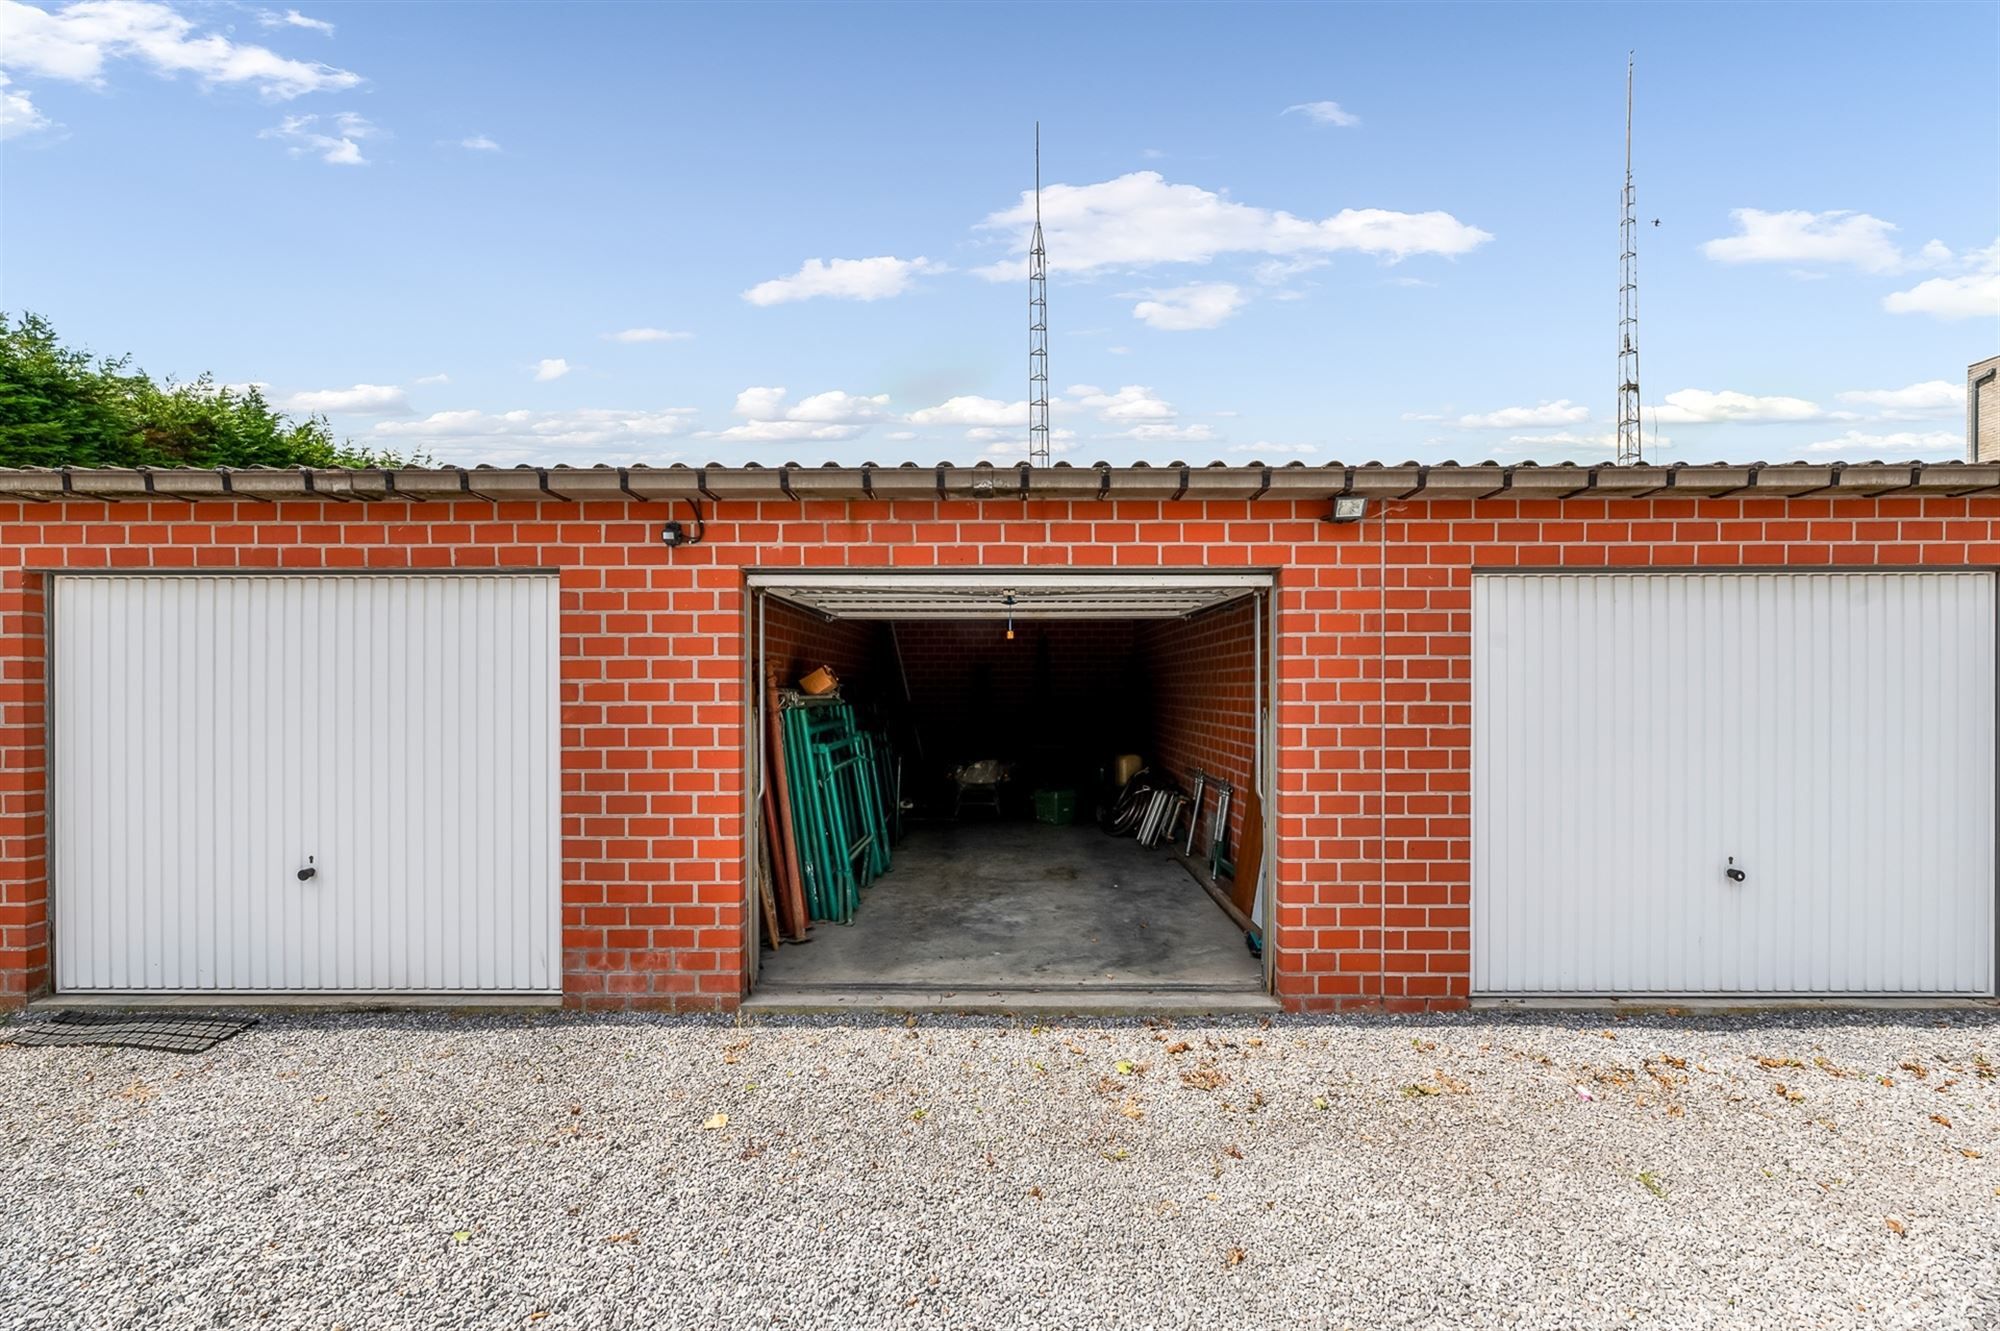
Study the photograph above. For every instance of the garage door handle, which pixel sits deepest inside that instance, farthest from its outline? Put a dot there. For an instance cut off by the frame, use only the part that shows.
(1734, 874)
(308, 873)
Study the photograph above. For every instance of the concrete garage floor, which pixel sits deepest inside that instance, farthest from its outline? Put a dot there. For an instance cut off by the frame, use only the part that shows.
(1018, 905)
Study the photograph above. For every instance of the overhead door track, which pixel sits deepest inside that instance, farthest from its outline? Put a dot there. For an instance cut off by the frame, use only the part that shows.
(1023, 594)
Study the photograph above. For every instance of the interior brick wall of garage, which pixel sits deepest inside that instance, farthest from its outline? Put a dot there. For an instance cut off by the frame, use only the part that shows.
(1204, 677)
(796, 642)
(1374, 721)
(1061, 686)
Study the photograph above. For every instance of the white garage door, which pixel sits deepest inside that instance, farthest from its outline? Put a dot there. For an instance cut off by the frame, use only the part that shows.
(395, 736)
(1831, 733)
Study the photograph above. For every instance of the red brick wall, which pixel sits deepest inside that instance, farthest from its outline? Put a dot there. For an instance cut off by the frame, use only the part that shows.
(24, 937)
(1373, 621)
(1203, 673)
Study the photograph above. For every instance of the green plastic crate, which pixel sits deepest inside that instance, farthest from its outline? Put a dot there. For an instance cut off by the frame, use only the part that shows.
(1055, 806)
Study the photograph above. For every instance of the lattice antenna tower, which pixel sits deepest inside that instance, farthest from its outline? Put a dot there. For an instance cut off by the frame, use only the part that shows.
(1038, 328)
(1631, 440)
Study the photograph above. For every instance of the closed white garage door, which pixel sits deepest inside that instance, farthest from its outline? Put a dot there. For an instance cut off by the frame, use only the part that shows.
(1637, 736)
(393, 737)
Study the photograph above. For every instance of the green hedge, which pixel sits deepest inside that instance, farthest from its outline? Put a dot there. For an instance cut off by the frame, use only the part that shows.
(58, 408)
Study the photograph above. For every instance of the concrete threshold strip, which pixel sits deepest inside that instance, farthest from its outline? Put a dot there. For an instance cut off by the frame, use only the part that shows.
(341, 1002)
(1092, 1002)
(1711, 1004)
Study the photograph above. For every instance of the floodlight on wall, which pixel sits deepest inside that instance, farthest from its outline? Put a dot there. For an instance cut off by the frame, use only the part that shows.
(1348, 508)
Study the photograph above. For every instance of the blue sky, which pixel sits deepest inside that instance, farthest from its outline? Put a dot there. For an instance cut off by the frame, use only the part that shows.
(1326, 233)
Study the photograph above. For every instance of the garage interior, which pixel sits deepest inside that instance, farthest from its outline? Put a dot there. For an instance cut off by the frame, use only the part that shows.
(1005, 712)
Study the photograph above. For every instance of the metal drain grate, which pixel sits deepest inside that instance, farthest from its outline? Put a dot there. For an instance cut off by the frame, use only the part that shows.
(164, 1032)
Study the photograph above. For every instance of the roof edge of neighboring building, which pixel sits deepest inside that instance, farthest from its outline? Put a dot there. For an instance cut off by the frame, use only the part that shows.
(1294, 480)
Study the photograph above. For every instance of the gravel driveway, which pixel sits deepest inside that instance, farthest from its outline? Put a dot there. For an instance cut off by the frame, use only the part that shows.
(375, 1171)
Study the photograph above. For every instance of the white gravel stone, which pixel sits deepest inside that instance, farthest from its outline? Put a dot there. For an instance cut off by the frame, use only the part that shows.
(554, 1171)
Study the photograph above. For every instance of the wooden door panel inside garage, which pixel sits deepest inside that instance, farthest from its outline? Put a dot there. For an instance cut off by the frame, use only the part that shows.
(1833, 733)
(393, 734)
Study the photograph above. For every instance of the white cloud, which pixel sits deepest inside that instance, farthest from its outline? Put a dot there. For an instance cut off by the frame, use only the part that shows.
(1119, 351)
(901, 436)
(292, 18)
(439, 378)
(1130, 403)
(1571, 439)
(1935, 443)
(1324, 113)
(1423, 415)
(1153, 432)
(828, 416)
(1140, 219)
(778, 432)
(1699, 406)
(360, 400)
(1011, 448)
(839, 407)
(19, 116)
(337, 142)
(1796, 236)
(1930, 398)
(843, 279)
(645, 335)
(584, 436)
(550, 368)
(1971, 295)
(1560, 412)
(1274, 272)
(973, 411)
(1184, 309)
(1265, 449)
(76, 42)
(478, 143)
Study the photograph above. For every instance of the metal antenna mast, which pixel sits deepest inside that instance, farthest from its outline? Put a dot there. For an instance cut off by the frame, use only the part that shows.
(1631, 440)
(1038, 328)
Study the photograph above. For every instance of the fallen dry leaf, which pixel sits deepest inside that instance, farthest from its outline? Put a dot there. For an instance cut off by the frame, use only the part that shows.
(1895, 1225)
(1234, 1257)
(1202, 1078)
(1130, 1109)
(629, 1236)
(1941, 1120)
(714, 1122)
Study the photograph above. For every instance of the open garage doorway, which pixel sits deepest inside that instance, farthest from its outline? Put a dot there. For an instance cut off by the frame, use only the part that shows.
(1015, 782)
